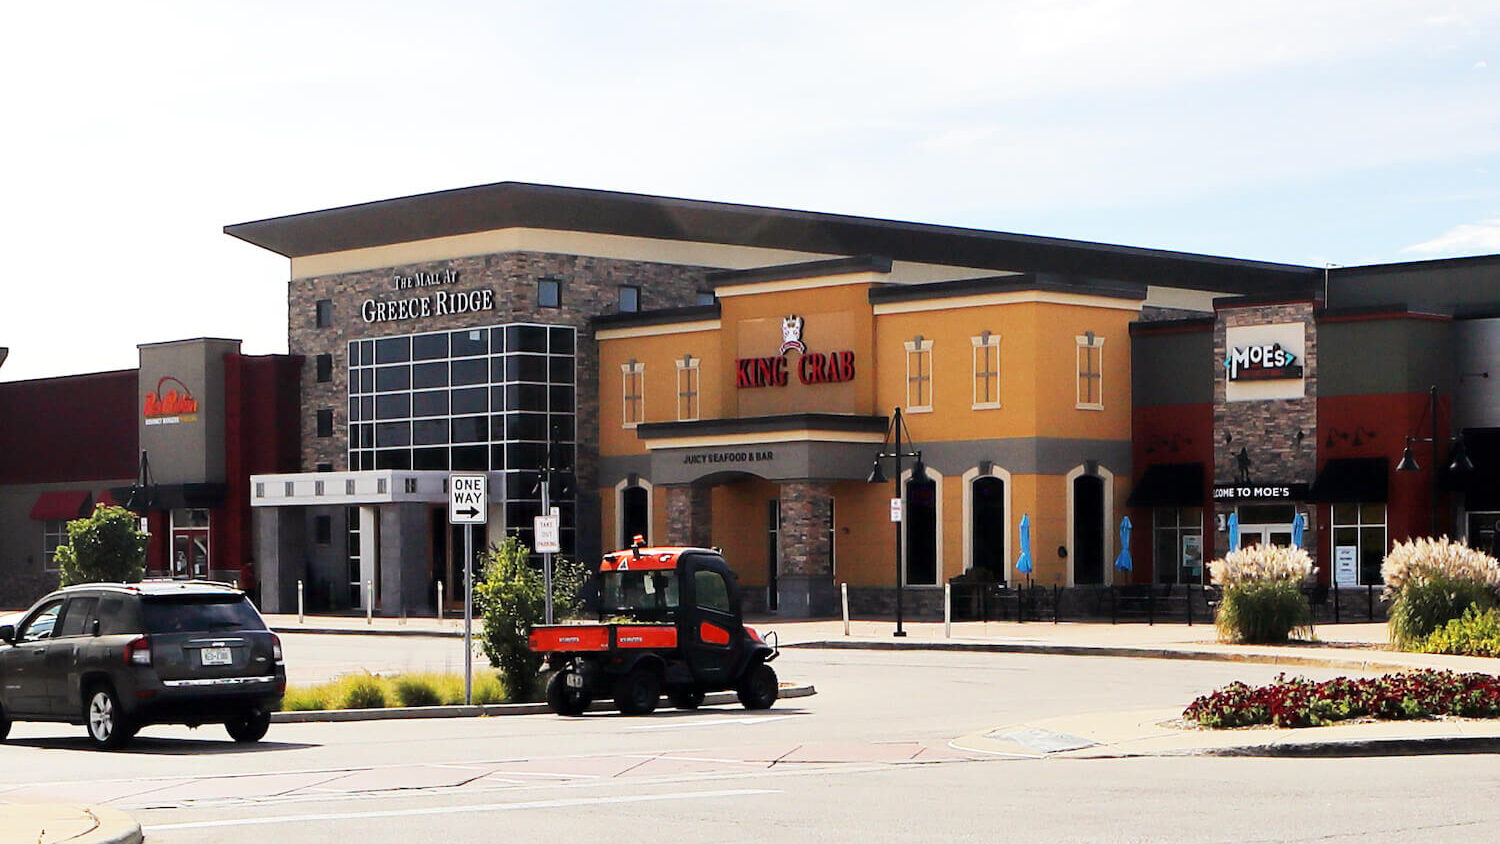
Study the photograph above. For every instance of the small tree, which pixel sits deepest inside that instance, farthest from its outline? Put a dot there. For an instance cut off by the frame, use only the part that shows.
(106, 546)
(511, 599)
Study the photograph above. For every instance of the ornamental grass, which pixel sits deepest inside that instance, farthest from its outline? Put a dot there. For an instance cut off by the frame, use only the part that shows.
(1262, 601)
(1299, 702)
(1430, 582)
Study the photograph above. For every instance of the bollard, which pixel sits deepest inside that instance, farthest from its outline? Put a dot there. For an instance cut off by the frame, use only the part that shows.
(440, 601)
(369, 602)
(299, 602)
(947, 610)
(844, 587)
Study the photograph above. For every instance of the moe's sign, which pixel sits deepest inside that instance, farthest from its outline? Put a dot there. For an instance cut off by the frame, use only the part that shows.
(812, 367)
(1264, 362)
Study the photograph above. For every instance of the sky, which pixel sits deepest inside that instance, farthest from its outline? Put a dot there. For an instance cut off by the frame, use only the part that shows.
(1304, 132)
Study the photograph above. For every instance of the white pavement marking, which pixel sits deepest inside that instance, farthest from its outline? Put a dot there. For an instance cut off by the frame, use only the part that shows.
(458, 810)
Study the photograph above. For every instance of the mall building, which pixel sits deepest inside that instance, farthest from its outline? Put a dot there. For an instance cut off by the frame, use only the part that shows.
(729, 375)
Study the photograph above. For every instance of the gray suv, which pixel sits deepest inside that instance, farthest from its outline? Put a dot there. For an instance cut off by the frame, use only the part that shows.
(118, 656)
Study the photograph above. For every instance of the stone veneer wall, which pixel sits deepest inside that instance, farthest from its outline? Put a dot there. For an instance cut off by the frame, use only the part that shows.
(805, 512)
(689, 515)
(1267, 429)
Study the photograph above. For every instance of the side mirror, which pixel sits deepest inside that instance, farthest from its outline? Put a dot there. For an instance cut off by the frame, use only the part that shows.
(8, 633)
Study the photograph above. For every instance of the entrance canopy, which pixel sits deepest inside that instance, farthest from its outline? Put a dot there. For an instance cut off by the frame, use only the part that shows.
(1169, 485)
(801, 446)
(1347, 479)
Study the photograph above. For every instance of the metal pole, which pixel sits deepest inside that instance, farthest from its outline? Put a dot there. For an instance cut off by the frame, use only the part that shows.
(1434, 469)
(369, 602)
(900, 573)
(468, 615)
(844, 588)
(440, 600)
(299, 602)
(547, 557)
(947, 611)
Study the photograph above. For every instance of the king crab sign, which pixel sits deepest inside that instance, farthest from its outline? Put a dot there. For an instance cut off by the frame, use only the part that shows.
(791, 335)
(812, 367)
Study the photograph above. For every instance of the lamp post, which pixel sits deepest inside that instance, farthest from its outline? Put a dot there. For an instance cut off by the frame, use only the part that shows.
(890, 449)
(549, 466)
(1460, 457)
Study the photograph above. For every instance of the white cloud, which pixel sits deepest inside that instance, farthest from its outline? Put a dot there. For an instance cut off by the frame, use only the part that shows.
(1480, 238)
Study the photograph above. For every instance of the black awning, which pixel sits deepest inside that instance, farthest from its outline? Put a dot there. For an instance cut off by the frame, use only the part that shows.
(1352, 479)
(170, 496)
(1169, 485)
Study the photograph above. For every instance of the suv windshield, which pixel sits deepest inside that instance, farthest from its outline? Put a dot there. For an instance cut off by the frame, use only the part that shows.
(200, 613)
(639, 593)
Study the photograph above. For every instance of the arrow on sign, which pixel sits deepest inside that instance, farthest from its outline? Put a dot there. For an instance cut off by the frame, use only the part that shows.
(471, 512)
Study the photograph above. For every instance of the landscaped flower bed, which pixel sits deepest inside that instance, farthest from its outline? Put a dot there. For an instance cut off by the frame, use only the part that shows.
(1299, 702)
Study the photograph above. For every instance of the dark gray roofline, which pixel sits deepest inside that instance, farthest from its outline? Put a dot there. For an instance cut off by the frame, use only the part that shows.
(660, 316)
(515, 204)
(1005, 284)
(803, 269)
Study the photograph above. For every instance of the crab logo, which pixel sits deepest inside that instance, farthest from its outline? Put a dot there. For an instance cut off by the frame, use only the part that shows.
(791, 334)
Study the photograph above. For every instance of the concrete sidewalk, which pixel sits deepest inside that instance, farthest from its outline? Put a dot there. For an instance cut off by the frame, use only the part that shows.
(53, 823)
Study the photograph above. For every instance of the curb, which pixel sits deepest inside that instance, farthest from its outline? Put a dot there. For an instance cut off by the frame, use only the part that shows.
(1108, 650)
(1436, 745)
(487, 710)
(70, 822)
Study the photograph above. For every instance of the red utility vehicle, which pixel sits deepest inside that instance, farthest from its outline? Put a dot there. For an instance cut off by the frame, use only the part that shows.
(669, 621)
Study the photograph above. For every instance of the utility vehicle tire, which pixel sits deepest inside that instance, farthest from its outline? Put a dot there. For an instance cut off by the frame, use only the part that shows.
(4, 724)
(564, 700)
(636, 693)
(249, 726)
(759, 688)
(686, 698)
(105, 720)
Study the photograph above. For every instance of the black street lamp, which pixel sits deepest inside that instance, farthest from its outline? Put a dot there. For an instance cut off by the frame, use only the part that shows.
(1459, 461)
(890, 449)
(562, 469)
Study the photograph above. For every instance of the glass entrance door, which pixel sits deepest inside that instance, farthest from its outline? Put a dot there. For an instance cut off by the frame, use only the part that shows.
(1280, 535)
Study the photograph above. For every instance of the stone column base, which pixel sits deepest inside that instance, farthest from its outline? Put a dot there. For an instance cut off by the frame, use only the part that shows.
(804, 596)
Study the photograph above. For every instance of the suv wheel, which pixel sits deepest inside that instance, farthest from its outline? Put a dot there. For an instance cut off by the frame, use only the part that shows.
(758, 689)
(107, 725)
(250, 726)
(637, 693)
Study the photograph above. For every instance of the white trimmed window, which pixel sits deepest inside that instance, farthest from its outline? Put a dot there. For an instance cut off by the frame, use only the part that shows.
(918, 374)
(1362, 528)
(986, 371)
(687, 388)
(54, 534)
(633, 379)
(1090, 372)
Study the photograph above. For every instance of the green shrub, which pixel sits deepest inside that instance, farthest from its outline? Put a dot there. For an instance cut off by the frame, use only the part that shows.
(512, 600)
(416, 690)
(1475, 633)
(1426, 604)
(1262, 612)
(1262, 601)
(361, 692)
(108, 546)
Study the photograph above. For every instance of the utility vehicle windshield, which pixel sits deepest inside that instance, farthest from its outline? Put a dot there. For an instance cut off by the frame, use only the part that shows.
(644, 594)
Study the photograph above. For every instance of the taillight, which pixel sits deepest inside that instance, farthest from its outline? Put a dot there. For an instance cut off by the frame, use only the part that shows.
(276, 648)
(138, 651)
(753, 635)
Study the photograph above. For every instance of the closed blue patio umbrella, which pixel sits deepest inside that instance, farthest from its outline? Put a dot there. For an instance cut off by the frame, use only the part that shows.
(1122, 562)
(1299, 524)
(1023, 565)
(1234, 531)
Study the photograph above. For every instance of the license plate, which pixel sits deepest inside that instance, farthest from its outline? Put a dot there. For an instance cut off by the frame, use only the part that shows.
(216, 656)
(574, 681)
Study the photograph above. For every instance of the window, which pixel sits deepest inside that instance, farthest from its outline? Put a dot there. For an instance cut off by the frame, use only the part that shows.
(634, 380)
(1090, 372)
(705, 297)
(1359, 529)
(918, 374)
(548, 293)
(986, 370)
(325, 423)
(323, 530)
(713, 592)
(80, 610)
(1178, 545)
(687, 388)
(41, 624)
(324, 313)
(325, 368)
(630, 298)
(54, 534)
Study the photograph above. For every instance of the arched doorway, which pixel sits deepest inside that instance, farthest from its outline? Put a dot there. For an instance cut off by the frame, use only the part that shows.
(635, 514)
(987, 526)
(1088, 530)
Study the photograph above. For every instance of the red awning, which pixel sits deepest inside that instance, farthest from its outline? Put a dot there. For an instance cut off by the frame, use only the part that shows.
(107, 499)
(60, 506)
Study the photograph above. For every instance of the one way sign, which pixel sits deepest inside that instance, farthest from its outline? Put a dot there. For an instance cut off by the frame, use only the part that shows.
(466, 504)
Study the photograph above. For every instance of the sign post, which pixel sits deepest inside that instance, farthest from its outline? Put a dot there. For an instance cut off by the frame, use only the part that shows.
(466, 506)
(548, 532)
